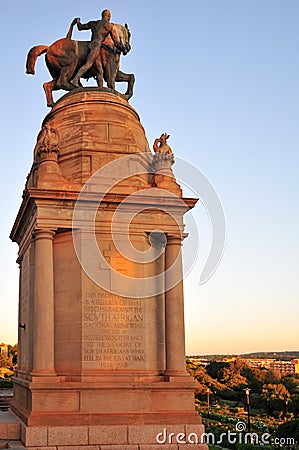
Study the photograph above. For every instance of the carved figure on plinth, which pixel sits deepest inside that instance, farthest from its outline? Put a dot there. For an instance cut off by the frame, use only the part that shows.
(163, 158)
(68, 60)
(47, 143)
(46, 158)
(161, 146)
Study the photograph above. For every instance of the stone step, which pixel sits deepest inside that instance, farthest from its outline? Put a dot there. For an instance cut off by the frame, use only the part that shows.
(4, 407)
(3, 443)
(4, 403)
(10, 427)
(16, 445)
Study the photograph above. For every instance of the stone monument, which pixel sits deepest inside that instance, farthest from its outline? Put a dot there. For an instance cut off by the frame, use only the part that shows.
(101, 331)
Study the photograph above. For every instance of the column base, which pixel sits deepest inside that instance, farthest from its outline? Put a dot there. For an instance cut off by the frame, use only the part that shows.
(43, 373)
(179, 376)
(45, 376)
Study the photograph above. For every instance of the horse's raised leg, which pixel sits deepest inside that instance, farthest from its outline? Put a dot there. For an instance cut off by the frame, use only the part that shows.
(130, 79)
(48, 88)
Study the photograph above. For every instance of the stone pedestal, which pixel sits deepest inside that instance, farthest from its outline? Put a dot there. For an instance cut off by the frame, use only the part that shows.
(98, 368)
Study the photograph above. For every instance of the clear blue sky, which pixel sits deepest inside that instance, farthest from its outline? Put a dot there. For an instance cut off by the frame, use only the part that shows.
(222, 77)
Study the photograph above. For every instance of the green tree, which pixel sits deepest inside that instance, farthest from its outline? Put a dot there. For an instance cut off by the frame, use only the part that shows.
(291, 382)
(205, 381)
(271, 376)
(293, 405)
(254, 378)
(215, 369)
(275, 397)
(289, 429)
(4, 361)
(13, 352)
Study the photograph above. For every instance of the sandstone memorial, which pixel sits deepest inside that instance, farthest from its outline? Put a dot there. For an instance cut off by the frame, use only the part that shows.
(100, 231)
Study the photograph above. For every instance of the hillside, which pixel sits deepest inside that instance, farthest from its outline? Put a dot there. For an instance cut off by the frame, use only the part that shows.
(284, 356)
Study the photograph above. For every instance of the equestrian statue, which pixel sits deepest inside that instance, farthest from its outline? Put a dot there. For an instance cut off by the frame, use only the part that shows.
(69, 60)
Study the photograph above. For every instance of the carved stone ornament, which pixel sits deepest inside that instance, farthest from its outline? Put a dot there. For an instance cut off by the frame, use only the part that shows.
(161, 146)
(164, 157)
(47, 145)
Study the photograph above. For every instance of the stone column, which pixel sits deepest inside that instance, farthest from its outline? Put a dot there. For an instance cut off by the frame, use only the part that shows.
(20, 318)
(158, 241)
(43, 324)
(174, 309)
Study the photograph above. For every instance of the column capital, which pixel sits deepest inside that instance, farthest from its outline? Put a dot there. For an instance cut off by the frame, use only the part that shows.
(157, 239)
(43, 233)
(174, 240)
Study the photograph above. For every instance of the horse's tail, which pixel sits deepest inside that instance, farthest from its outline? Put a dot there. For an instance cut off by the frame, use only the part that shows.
(32, 56)
(70, 32)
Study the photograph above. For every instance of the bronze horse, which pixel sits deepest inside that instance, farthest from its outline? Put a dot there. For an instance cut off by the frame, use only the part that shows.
(65, 56)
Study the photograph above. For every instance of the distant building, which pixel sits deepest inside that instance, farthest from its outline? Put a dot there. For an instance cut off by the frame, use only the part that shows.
(260, 363)
(203, 362)
(285, 367)
(229, 359)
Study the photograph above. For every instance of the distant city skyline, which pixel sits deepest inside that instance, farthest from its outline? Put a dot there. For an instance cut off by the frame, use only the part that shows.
(225, 87)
